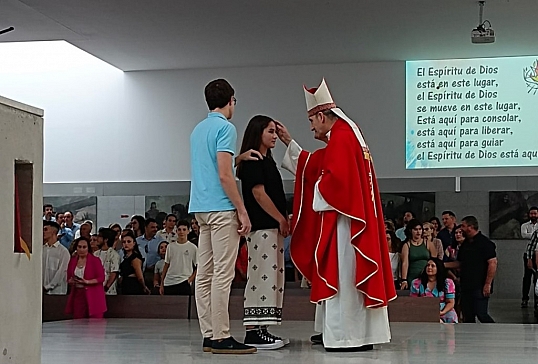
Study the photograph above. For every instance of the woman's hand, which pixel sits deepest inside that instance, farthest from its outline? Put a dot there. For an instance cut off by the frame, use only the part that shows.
(404, 285)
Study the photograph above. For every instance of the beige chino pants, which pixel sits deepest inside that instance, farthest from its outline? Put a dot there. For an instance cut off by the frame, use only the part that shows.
(217, 252)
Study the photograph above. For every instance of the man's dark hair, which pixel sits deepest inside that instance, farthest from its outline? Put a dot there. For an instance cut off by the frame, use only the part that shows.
(471, 221)
(449, 213)
(52, 224)
(533, 208)
(184, 223)
(411, 212)
(58, 214)
(47, 205)
(149, 221)
(218, 94)
(108, 235)
(170, 215)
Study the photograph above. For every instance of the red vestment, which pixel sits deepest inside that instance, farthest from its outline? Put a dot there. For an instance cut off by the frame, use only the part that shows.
(347, 183)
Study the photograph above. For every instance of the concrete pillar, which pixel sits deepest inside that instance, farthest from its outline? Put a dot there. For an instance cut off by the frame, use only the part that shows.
(21, 153)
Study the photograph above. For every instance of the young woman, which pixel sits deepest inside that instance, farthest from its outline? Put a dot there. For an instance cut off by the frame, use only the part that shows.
(132, 277)
(428, 233)
(433, 282)
(161, 249)
(263, 193)
(85, 275)
(138, 225)
(436, 225)
(415, 253)
(117, 242)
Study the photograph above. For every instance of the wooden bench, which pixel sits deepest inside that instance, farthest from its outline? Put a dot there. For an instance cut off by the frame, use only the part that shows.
(297, 307)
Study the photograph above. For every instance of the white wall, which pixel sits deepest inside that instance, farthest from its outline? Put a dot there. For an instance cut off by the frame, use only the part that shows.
(82, 97)
(20, 286)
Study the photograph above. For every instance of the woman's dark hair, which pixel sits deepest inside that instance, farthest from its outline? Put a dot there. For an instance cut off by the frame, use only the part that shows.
(440, 276)
(409, 227)
(454, 243)
(136, 250)
(115, 226)
(218, 93)
(79, 239)
(436, 219)
(252, 138)
(395, 243)
(159, 246)
(141, 224)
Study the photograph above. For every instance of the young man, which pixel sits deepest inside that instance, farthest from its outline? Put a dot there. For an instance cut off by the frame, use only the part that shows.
(148, 244)
(109, 258)
(339, 242)
(180, 264)
(408, 216)
(446, 235)
(169, 233)
(55, 260)
(218, 207)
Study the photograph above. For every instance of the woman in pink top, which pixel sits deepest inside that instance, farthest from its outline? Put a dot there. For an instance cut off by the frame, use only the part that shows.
(85, 275)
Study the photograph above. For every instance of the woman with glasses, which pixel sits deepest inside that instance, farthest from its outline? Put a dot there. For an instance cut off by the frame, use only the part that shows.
(428, 233)
(415, 253)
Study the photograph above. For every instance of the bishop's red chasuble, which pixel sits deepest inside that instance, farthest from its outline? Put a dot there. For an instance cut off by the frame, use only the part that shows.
(347, 182)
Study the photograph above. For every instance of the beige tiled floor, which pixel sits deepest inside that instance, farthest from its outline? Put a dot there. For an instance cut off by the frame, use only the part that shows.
(131, 341)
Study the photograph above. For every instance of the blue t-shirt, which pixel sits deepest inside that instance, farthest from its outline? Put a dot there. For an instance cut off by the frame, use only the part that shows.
(212, 135)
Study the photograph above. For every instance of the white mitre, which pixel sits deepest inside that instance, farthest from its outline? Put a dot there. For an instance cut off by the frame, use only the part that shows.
(319, 99)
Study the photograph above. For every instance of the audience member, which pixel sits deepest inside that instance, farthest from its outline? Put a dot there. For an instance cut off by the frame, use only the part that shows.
(195, 232)
(85, 274)
(48, 210)
(55, 260)
(529, 262)
(433, 282)
(428, 234)
(65, 235)
(138, 224)
(446, 235)
(85, 230)
(94, 243)
(400, 233)
(109, 258)
(117, 241)
(395, 248)
(153, 211)
(389, 226)
(415, 253)
(477, 260)
(451, 255)
(159, 266)
(132, 276)
(436, 225)
(180, 264)
(68, 216)
(148, 244)
(169, 233)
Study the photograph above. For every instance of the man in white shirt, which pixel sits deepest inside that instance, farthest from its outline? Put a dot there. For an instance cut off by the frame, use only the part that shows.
(55, 260)
(408, 216)
(180, 264)
(48, 211)
(169, 233)
(110, 259)
(529, 266)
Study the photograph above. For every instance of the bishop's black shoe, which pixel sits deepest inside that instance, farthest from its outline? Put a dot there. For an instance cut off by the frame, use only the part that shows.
(317, 339)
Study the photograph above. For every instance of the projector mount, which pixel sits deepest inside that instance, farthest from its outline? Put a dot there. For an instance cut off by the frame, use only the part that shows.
(482, 34)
